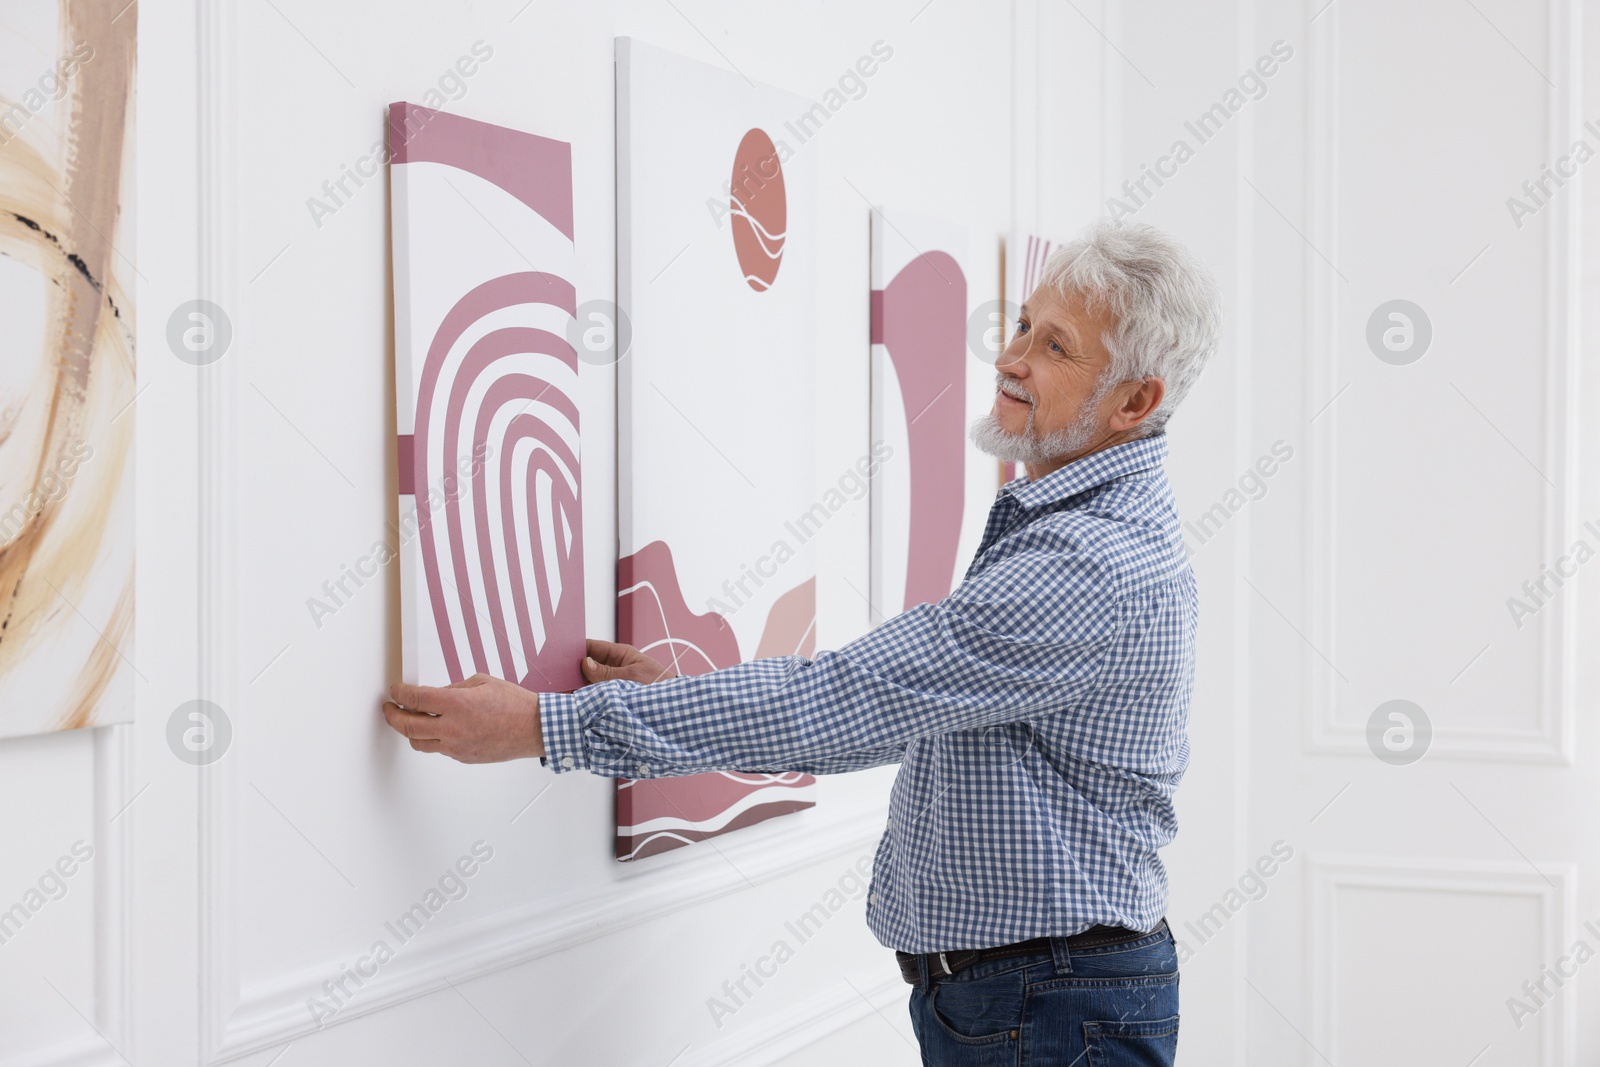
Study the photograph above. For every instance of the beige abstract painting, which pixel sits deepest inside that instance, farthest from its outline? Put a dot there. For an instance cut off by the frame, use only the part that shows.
(66, 364)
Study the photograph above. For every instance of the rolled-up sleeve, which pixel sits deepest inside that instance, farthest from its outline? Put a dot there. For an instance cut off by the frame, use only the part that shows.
(1014, 642)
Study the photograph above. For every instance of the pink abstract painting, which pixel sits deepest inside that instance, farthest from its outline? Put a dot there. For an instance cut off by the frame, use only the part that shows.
(1031, 253)
(919, 373)
(490, 514)
(716, 246)
(657, 814)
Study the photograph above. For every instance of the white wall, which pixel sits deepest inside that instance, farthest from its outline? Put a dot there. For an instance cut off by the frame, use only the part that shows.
(1378, 563)
(221, 897)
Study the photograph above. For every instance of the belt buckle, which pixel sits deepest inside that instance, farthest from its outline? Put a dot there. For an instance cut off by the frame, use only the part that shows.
(945, 964)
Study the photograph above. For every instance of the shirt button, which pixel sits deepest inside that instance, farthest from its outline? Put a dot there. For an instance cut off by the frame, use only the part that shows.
(644, 768)
(872, 898)
(566, 761)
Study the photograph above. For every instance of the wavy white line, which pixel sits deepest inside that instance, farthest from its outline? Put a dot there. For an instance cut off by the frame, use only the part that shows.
(772, 251)
(741, 210)
(671, 641)
(753, 799)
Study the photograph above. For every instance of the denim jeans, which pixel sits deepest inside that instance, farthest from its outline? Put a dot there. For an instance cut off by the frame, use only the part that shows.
(1111, 1006)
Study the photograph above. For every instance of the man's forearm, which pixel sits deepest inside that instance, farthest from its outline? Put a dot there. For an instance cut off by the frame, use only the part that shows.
(567, 744)
(761, 716)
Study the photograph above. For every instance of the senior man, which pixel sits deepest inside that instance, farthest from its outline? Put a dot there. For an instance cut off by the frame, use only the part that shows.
(1037, 713)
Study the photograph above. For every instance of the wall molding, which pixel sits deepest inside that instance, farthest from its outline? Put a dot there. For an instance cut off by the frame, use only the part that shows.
(217, 181)
(1327, 874)
(274, 1013)
(1244, 431)
(1553, 740)
(112, 754)
(113, 891)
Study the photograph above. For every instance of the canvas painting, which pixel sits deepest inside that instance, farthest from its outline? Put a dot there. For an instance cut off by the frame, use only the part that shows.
(67, 383)
(1026, 255)
(919, 396)
(486, 372)
(716, 262)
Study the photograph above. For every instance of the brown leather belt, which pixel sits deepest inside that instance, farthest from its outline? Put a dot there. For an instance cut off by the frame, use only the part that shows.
(943, 964)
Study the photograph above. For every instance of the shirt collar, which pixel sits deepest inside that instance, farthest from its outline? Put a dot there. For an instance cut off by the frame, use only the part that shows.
(1097, 468)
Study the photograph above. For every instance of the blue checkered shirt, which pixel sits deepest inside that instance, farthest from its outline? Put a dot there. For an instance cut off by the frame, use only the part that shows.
(1037, 713)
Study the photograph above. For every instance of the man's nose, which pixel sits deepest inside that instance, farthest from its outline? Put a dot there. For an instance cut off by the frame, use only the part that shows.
(1012, 362)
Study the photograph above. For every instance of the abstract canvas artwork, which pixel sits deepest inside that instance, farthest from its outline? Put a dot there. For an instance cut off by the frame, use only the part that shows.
(486, 373)
(716, 264)
(67, 364)
(1026, 255)
(919, 373)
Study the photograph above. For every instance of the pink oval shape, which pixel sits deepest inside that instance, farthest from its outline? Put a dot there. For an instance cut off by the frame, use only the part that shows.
(760, 209)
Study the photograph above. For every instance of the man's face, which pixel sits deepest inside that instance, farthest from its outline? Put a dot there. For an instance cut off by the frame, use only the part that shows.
(1053, 360)
(1047, 406)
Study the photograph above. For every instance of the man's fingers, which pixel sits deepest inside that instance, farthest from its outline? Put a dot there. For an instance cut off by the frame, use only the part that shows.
(609, 653)
(412, 724)
(438, 701)
(425, 745)
(643, 669)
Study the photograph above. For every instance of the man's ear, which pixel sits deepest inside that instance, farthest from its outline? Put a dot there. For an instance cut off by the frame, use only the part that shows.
(1142, 398)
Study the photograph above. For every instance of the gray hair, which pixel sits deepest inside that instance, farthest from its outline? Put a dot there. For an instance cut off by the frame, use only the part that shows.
(1165, 302)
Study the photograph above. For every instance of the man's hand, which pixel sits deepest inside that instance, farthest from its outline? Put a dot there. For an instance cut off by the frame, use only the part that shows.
(479, 720)
(487, 720)
(608, 660)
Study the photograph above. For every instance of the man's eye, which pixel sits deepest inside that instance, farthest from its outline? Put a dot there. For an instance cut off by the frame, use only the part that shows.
(1056, 348)
(1022, 327)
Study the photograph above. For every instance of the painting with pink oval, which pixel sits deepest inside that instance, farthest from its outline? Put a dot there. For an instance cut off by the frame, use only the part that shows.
(490, 531)
(920, 364)
(716, 238)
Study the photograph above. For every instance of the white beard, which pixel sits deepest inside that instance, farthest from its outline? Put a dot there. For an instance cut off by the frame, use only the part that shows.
(1028, 447)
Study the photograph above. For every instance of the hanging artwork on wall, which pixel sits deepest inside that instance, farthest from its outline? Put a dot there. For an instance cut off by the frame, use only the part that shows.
(1026, 255)
(716, 261)
(67, 369)
(486, 374)
(919, 394)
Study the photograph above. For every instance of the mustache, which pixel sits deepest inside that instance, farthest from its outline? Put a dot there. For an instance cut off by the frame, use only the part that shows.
(1014, 391)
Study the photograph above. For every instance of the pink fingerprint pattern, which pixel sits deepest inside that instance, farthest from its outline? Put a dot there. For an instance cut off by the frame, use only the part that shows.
(920, 318)
(656, 815)
(492, 461)
(549, 629)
